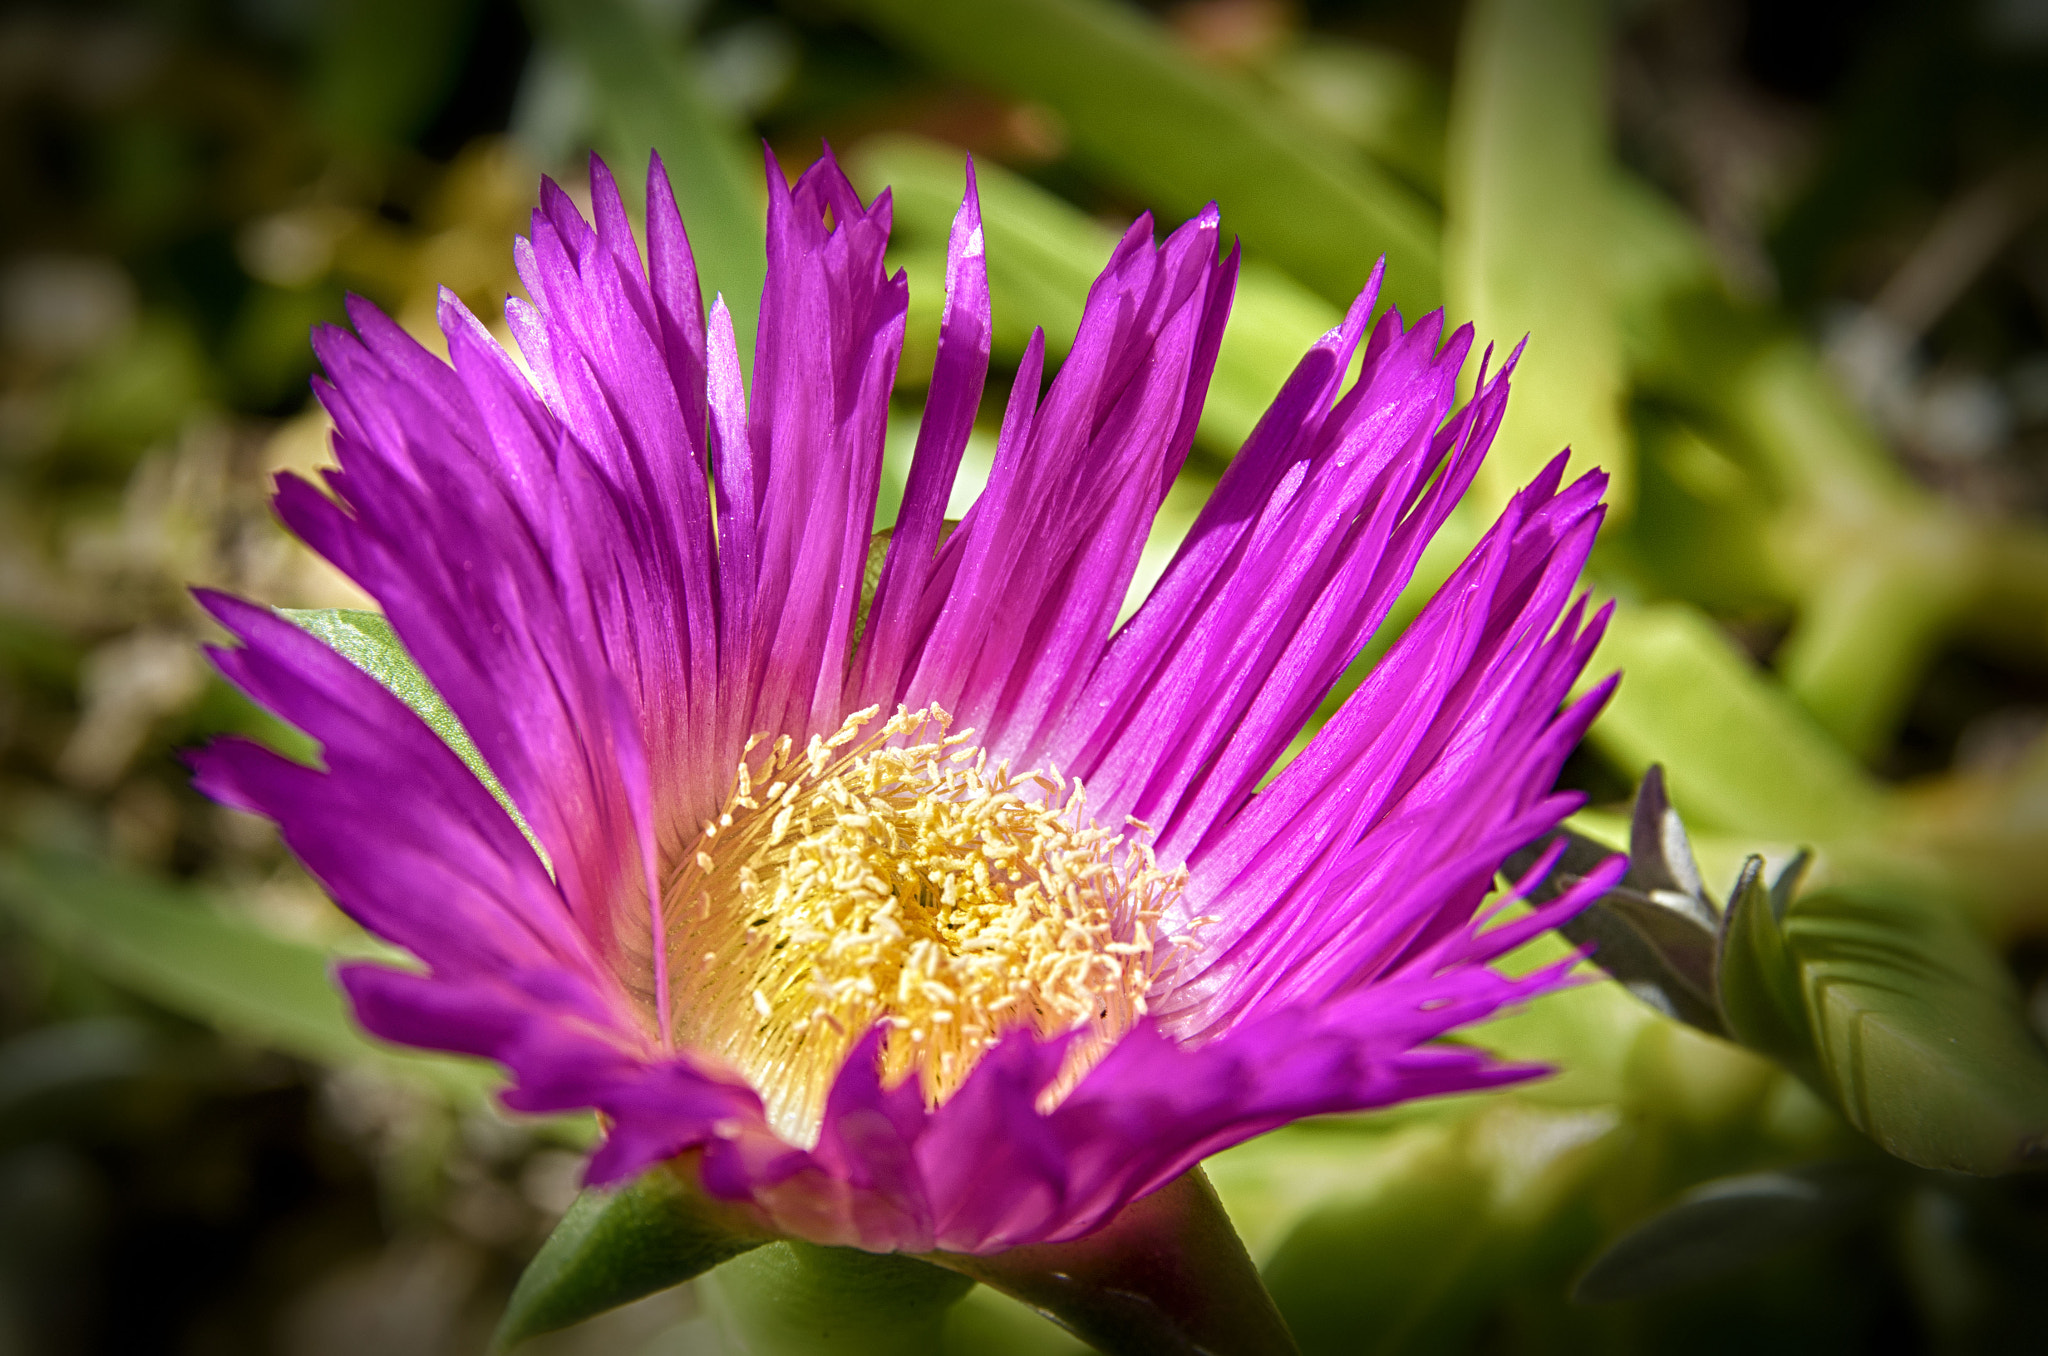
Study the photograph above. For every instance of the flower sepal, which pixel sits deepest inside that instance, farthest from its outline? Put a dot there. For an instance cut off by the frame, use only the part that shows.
(617, 1246)
(1167, 1277)
(1657, 931)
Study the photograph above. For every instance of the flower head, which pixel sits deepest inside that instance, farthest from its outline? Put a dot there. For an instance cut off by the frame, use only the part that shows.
(948, 915)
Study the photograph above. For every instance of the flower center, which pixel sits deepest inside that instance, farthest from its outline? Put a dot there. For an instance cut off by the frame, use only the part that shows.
(902, 880)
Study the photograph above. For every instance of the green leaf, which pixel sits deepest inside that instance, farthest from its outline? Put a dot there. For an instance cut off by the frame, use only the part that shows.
(366, 640)
(1919, 1029)
(648, 97)
(1525, 211)
(1751, 762)
(1722, 1227)
(1181, 134)
(799, 1299)
(1756, 978)
(172, 948)
(614, 1247)
(1168, 1275)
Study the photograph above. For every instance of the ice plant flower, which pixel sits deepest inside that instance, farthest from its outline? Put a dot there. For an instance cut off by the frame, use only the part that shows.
(950, 915)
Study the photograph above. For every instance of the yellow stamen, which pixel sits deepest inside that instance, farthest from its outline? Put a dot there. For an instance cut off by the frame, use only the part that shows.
(903, 880)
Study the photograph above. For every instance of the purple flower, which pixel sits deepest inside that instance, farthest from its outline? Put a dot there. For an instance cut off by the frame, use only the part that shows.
(963, 920)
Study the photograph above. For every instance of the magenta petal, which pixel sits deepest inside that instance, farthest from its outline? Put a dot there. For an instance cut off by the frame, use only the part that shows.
(620, 570)
(958, 374)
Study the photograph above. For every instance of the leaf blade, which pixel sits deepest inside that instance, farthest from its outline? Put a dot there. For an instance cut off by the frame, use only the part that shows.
(1526, 178)
(367, 640)
(1753, 762)
(1919, 1029)
(1724, 1226)
(1181, 134)
(174, 950)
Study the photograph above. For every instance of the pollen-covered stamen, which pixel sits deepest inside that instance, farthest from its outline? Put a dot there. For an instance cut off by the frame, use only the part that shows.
(903, 879)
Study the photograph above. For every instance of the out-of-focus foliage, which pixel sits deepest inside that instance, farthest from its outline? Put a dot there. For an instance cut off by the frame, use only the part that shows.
(1785, 272)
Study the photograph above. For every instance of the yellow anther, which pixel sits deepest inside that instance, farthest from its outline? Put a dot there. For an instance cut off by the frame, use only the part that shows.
(901, 880)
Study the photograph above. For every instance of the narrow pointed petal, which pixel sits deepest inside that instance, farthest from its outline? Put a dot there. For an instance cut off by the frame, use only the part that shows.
(1056, 934)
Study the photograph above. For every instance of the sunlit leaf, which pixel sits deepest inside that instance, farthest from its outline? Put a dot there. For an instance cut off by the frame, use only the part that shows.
(1524, 216)
(1182, 134)
(366, 640)
(798, 1299)
(1758, 978)
(1919, 1028)
(1747, 760)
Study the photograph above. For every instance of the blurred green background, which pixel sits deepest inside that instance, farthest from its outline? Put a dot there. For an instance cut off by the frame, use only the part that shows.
(1785, 268)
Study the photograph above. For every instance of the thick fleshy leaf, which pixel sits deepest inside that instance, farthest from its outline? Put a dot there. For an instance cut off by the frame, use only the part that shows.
(1918, 1028)
(1167, 1276)
(799, 1299)
(1754, 763)
(614, 1247)
(1526, 176)
(1180, 134)
(366, 640)
(1757, 978)
(1721, 1227)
